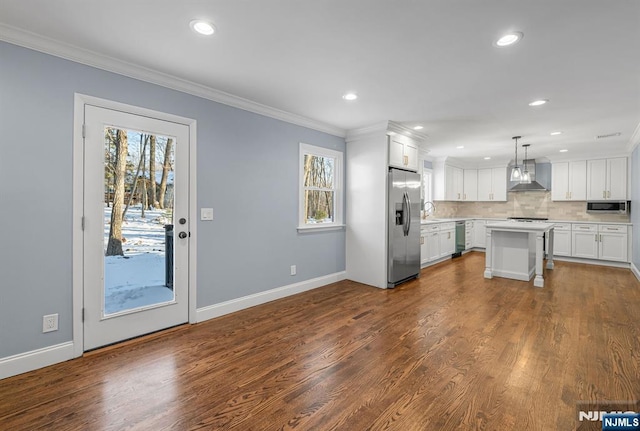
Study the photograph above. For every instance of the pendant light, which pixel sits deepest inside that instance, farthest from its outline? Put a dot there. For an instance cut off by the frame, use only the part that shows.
(526, 176)
(516, 173)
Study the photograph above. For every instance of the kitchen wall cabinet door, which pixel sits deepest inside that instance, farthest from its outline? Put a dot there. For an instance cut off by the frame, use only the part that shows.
(453, 183)
(470, 185)
(403, 155)
(499, 184)
(617, 179)
(569, 181)
(492, 184)
(607, 179)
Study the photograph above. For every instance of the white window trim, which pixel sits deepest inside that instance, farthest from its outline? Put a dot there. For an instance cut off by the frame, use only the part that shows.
(338, 209)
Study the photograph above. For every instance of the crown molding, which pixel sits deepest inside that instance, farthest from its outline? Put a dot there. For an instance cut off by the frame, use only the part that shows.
(388, 128)
(76, 54)
(634, 140)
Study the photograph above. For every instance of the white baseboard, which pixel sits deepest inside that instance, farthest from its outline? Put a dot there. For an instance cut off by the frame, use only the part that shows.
(29, 361)
(217, 310)
(635, 271)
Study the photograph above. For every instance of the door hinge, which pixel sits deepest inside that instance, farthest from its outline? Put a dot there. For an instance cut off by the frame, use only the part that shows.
(83, 314)
(82, 223)
(84, 130)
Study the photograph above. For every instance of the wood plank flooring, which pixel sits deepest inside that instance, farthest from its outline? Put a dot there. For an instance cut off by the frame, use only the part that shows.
(450, 351)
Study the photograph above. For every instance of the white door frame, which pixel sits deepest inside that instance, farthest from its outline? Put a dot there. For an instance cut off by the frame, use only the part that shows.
(80, 100)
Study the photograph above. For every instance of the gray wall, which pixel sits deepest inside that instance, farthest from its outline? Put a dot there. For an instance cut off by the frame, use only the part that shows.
(635, 204)
(247, 170)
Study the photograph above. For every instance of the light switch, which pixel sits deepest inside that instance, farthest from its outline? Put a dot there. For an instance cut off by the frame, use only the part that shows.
(206, 213)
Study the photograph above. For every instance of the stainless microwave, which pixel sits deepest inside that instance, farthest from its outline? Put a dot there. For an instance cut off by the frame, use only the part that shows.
(608, 207)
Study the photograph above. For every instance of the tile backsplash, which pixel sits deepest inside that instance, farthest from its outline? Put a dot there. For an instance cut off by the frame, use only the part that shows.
(525, 204)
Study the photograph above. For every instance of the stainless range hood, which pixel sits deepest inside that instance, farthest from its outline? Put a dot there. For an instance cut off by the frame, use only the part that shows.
(540, 178)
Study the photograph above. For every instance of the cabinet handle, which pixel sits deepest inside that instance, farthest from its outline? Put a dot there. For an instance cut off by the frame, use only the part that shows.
(421, 240)
(570, 194)
(596, 237)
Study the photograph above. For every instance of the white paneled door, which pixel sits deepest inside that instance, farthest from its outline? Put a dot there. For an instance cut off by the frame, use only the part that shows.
(136, 225)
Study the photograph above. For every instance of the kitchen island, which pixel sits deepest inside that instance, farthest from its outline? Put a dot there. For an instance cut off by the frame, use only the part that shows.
(516, 250)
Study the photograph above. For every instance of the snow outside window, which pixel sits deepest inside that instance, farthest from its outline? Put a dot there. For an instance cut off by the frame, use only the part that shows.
(321, 188)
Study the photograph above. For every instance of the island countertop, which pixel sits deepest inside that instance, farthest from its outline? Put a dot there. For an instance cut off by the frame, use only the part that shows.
(517, 226)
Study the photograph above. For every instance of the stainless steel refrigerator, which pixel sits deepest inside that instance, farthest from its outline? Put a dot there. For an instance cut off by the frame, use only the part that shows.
(404, 226)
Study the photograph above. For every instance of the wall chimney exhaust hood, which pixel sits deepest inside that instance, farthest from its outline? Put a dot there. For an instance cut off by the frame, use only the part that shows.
(540, 178)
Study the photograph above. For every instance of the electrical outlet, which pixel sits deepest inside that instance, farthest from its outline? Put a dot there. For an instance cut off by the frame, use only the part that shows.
(50, 322)
(293, 270)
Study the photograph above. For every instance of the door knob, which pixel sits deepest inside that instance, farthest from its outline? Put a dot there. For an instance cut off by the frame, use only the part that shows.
(182, 235)
(182, 220)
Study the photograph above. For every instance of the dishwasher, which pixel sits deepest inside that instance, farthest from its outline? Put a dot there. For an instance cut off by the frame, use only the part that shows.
(460, 239)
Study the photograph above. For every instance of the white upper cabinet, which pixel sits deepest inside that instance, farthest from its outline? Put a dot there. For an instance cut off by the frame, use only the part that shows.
(492, 184)
(403, 155)
(453, 183)
(607, 179)
(569, 181)
(470, 185)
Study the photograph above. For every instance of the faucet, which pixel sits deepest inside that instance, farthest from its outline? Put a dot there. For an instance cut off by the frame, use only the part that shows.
(433, 209)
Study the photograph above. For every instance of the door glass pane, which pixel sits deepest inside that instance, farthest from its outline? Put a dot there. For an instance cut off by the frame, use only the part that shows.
(138, 220)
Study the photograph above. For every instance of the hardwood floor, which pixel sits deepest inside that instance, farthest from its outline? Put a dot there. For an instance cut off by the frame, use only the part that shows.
(448, 351)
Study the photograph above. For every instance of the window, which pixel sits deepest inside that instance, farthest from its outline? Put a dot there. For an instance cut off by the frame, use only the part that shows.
(320, 187)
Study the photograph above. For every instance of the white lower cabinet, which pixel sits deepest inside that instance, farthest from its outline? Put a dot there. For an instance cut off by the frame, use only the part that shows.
(600, 241)
(429, 243)
(423, 245)
(447, 239)
(561, 239)
(468, 234)
(479, 233)
(613, 242)
(584, 239)
(436, 241)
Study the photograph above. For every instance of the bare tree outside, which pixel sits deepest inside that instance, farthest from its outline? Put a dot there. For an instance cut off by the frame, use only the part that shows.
(118, 138)
(143, 145)
(166, 168)
(152, 172)
(319, 189)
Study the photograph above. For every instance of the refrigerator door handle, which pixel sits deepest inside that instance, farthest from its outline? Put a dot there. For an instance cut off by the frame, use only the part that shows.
(409, 211)
(404, 214)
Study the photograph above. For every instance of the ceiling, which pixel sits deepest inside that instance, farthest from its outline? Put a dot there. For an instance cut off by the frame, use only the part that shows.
(430, 63)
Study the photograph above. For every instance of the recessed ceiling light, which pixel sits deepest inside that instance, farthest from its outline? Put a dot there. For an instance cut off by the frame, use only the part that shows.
(538, 102)
(509, 39)
(418, 128)
(202, 27)
(487, 158)
(460, 147)
(350, 96)
(555, 133)
(563, 151)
